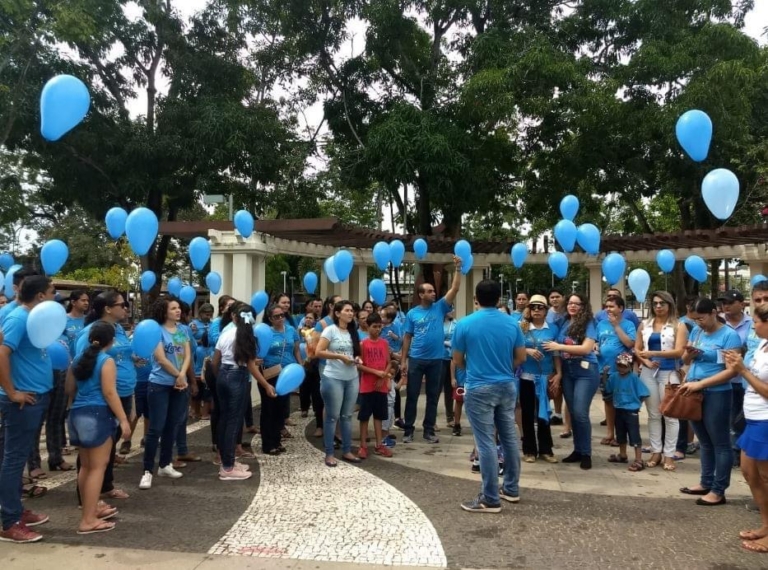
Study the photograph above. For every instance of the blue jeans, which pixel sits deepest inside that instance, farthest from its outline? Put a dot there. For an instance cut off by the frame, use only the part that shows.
(418, 369)
(19, 429)
(166, 410)
(233, 387)
(489, 408)
(579, 387)
(339, 397)
(714, 433)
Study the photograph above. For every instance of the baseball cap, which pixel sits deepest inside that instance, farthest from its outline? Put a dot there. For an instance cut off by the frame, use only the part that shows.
(538, 300)
(731, 295)
(624, 359)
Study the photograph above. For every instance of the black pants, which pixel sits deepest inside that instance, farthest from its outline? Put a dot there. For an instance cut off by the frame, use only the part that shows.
(271, 420)
(447, 390)
(249, 412)
(534, 442)
(310, 393)
(55, 417)
(210, 379)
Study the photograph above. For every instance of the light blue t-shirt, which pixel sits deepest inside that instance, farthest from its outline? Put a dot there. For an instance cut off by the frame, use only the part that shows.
(201, 352)
(742, 329)
(488, 339)
(627, 391)
(556, 318)
(628, 314)
(173, 346)
(89, 391)
(31, 368)
(122, 353)
(281, 347)
(563, 338)
(448, 329)
(395, 327)
(516, 316)
(534, 339)
(610, 344)
(426, 326)
(323, 323)
(214, 331)
(709, 362)
(72, 332)
(5, 311)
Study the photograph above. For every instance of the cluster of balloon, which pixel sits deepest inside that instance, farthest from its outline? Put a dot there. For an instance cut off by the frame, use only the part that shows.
(420, 248)
(141, 230)
(377, 289)
(6, 261)
(53, 256)
(147, 281)
(639, 282)
(614, 266)
(263, 334)
(174, 286)
(519, 254)
(64, 103)
(213, 282)
(115, 220)
(244, 223)
(199, 253)
(665, 259)
(259, 301)
(310, 282)
(720, 188)
(696, 267)
(338, 267)
(463, 250)
(46, 323)
(188, 294)
(558, 264)
(290, 379)
(382, 255)
(146, 337)
(8, 290)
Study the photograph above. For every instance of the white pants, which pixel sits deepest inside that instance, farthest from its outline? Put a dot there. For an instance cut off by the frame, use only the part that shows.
(656, 388)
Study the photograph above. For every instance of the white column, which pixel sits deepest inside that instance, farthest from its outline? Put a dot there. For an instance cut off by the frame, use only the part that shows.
(343, 289)
(326, 287)
(595, 287)
(242, 276)
(258, 273)
(756, 268)
(359, 283)
(221, 263)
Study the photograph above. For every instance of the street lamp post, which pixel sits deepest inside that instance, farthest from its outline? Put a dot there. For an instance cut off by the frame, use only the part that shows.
(285, 280)
(292, 278)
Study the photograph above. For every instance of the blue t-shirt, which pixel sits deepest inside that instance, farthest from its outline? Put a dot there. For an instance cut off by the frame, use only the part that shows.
(426, 327)
(488, 339)
(534, 339)
(742, 329)
(516, 316)
(610, 344)
(214, 331)
(122, 353)
(89, 391)
(654, 344)
(173, 346)
(710, 362)
(395, 327)
(72, 332)
(5, 311)
(201, 352)
(448, 329)
(326, 320)
(563, 338)
(31, 368)
(556, 318)
(628, 315)
(281, 347)
(192, 349)
(627, 391)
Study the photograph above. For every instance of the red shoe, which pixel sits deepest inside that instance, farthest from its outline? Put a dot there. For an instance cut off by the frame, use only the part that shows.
(362, 453)
(30, 518)
(19, 533)
(382, 450)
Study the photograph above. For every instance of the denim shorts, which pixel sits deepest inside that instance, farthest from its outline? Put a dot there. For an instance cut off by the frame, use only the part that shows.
(91, 426)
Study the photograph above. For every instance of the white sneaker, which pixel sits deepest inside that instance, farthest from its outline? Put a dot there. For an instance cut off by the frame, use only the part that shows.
(242, 466)
(146, 480)
(234, 475)
(169, 471)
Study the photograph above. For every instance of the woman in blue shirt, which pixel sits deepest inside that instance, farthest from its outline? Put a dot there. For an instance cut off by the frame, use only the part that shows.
(576, 343)
(283, 350)
(708, 374)
(95, 410)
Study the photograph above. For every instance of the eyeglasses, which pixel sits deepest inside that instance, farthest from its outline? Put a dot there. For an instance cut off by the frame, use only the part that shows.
(659, 303)
(538, 308)
(280, 316)
(574, 304)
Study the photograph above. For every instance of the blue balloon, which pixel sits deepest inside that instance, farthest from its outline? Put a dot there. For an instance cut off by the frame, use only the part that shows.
(174, 286)
(519, 254)
(148, 280)
(462, 249)
(310, 282)
(290, 379)
(115, 220)
(396, 252)
(343, 262)
(146, 336)
(377, 289)
(382, 255)
(558, 263)
(588, 237)
(720, 190)
(64, 102)
(45, 323)
(259, 301)
(244, 223)
(59, 355)
(565, 234)
(141, 230)
(53, 256)
(569, 207)
(213, 282)
(420, 248)
(696, 267)
(694, 133)
(466, 264)
(8, 285)
(263, 334)
(665, 259)
(330, 270)
(757, 279)
(6, 261)
(639, 282)
(614, 266)
(199, 252)
(188, 294)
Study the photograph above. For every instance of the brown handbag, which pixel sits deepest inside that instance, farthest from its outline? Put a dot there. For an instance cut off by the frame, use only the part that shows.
(683, 406)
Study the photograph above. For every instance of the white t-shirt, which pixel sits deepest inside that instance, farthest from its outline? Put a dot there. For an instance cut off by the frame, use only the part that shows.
(339, 342)
(226, 346)
(755, 406)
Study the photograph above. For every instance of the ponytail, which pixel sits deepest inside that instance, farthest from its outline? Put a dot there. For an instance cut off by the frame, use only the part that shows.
(100, 336)
(245, 341)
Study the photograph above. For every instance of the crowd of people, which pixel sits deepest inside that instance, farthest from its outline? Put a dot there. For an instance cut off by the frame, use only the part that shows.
(529, 369)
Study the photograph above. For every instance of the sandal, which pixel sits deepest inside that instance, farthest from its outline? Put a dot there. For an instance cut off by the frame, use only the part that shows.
(618, 458)
(670, 466)
(650, 464)
(331, 462)
(115, 494)
(751, 535)
(636, 466)
(607, 441)
(63, 466)
(38, 474)
(566, 434)
(754, 547)
(102, 526)
(33, 491)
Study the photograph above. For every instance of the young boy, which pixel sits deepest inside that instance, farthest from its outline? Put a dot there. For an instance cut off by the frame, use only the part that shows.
(376, 369)
(628, 393)
(392, 332)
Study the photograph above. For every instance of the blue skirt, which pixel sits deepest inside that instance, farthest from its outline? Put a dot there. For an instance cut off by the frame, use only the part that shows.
(754, 440)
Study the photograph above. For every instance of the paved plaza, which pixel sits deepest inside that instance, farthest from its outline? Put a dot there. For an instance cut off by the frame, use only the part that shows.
(295, 513)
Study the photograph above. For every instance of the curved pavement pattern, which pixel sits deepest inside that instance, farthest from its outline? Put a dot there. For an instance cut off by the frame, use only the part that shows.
(305, 510)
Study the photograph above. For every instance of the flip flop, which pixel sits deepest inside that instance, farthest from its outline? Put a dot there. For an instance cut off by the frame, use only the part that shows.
(754, 547)
(617, 459)
(331, 463)
(32, 491)
(40, 474)
(102, 527)
(750, 535)
(115, 494)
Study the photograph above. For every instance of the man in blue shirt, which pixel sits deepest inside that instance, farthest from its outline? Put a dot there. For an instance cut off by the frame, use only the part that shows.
(629, 315)
(18, 277)
(489, 346)
(422, 355)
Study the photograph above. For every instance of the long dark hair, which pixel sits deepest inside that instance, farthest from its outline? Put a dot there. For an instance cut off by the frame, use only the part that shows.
(246, 345)
(75, 296)
(160, 308)
(100, 336)
(351, 327)
(223, 300)
(100, 304)
(266, 317)
(288, 315)
(577, 329)
(328, 306)
(226, 315)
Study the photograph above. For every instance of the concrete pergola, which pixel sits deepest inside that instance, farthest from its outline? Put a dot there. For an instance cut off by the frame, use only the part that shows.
(242, 262)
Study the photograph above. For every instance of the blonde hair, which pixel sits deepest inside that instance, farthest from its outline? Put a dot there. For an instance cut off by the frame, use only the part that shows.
(667, 298)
